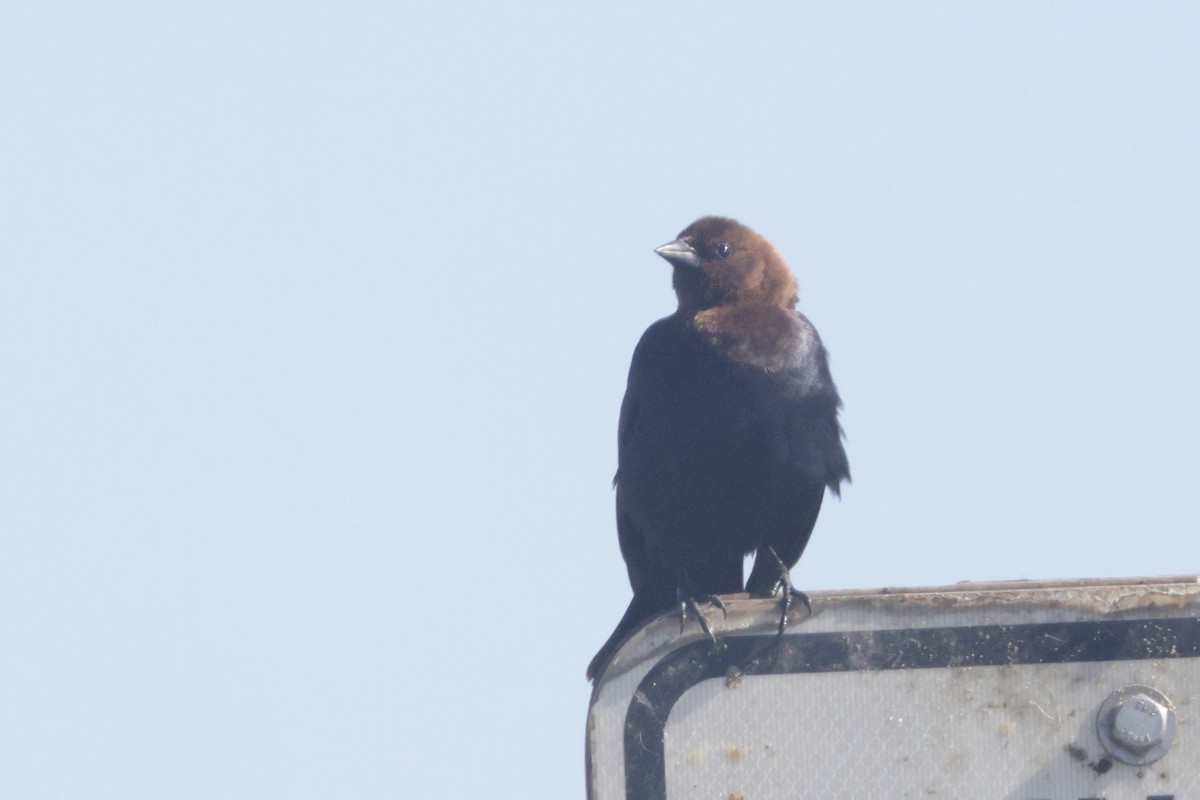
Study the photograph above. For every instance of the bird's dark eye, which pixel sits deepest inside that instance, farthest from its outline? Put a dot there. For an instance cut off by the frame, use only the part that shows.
(723, 249)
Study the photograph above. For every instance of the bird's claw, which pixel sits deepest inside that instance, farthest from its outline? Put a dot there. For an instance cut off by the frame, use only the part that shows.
(791, 595)
(688, 602)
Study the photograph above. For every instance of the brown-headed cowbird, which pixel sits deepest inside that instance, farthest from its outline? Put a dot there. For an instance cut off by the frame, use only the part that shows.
(728, 434)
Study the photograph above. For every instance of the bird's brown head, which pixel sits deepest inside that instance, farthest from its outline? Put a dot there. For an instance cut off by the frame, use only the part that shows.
(720, 262)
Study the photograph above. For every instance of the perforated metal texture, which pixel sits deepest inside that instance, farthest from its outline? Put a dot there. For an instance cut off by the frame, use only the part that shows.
(1012, 730)
(1019, 732)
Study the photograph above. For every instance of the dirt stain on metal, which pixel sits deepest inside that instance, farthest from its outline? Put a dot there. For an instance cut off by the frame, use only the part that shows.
(1076, 752)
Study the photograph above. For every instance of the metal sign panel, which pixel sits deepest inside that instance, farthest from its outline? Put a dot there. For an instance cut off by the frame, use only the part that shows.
(1024, 690)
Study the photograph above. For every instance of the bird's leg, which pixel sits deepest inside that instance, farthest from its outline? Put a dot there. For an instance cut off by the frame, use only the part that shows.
(790, 593)
(687, 596)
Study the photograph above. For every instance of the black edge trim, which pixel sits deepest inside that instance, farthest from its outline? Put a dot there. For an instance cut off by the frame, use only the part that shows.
(856, 651)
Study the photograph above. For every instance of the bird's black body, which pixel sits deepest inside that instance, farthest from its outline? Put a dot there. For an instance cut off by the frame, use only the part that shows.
(728, 434)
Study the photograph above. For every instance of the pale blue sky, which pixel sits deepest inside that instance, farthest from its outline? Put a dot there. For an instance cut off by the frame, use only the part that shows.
(314, 324)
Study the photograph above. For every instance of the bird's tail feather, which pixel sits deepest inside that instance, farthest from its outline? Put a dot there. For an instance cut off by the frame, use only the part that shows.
(641, 609)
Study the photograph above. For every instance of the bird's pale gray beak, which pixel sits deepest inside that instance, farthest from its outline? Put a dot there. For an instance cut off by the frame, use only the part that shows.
(679, 253)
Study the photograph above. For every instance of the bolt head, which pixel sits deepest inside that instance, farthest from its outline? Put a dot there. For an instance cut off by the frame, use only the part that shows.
(1140, 723)
(1136, 725)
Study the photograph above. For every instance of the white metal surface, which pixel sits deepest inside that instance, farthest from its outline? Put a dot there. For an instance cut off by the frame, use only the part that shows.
(965, 691)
